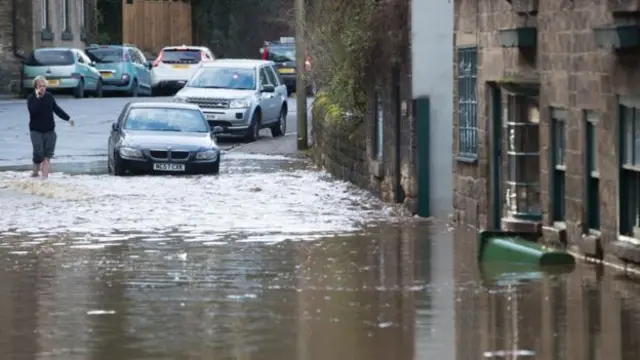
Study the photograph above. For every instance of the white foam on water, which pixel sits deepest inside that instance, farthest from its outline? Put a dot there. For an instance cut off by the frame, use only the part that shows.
(101, 312)
(289, 205)
(92, 246)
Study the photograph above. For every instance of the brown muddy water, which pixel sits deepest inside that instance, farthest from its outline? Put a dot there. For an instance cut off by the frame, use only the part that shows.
(395, 292)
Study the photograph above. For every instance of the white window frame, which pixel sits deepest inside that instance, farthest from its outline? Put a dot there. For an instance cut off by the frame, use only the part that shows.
(65, 19)
(45, 14)
(379, 135)
(82, 9)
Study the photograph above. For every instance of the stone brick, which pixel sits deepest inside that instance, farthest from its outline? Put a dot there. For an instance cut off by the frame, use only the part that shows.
(572, 73)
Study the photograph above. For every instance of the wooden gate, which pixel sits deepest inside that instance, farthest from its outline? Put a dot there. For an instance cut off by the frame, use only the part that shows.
(153, 24)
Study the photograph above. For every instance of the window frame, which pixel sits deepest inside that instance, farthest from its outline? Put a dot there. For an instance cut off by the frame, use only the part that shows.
(66, 15)
(557, 154)
(629, 157)
(467, 88)
(46, 16)
(378, 125)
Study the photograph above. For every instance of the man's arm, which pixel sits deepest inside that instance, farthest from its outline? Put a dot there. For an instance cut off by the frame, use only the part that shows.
(33, 103)
(58, 110)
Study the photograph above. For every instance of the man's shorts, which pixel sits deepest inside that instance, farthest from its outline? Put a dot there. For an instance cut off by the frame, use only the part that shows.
(44, 145)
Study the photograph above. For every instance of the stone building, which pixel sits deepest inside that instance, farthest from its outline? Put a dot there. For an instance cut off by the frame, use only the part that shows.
(547, 121)
(30, 24)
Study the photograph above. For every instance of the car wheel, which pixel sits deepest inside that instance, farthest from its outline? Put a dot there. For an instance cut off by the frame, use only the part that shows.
(116, 168)
(280, 127)
(254, 129)
(98, 92)
(134, 89)
(78, 92)
(216, 167)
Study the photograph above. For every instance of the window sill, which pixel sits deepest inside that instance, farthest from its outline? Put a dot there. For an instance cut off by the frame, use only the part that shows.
(46, 35)
(66, 36)
(520, 225)
(376, 169)
(556, 234)
(627, 249)
(590, 243)
(467, 159)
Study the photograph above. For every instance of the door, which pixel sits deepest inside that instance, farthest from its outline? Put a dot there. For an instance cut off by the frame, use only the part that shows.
(270, 104)
(280, 94)
(90, 74)
(145, 68)
(140, 69)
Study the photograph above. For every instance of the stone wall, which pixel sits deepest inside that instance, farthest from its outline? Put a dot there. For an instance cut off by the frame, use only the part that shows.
(568, 71)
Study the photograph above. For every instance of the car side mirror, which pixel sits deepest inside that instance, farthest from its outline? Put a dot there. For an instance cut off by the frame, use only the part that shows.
(217, 130)
(150, 65)
(268, 88)
(114, 126)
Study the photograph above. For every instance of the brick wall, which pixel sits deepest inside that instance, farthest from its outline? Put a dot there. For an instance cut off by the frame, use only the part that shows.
(570, 72)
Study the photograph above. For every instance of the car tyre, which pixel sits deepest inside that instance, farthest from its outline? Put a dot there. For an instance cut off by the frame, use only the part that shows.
(115, 168)
(216, 167)
(280, 127)
(254, 129)
(98, 93)
(134, 89)
(78, 92)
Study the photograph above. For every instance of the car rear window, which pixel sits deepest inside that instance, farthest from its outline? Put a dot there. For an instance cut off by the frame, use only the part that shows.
(50, 58)
(181, 56)
(281, 53)
(105, 55)
(166, 119)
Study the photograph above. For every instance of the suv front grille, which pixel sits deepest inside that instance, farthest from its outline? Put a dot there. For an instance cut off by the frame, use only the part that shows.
(209, 103)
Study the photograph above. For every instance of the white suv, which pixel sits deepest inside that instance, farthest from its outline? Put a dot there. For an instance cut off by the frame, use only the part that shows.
(241, 96)
(175, 65)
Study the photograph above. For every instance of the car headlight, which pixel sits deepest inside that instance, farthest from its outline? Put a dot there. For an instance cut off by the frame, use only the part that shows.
(239, 104)
(207, 155)
(130, 153)
(180, 99)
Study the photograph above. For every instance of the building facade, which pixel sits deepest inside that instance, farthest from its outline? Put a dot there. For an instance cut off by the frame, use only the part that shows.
(547, 122)
(30, 24)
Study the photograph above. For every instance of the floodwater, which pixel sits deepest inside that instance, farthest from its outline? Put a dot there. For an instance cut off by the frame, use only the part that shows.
(272, 260)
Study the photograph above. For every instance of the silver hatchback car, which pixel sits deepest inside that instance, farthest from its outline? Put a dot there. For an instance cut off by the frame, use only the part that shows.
(240, 96)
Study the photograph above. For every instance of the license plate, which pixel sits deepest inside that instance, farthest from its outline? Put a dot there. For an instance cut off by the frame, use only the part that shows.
(106, 75)
(180, 66)
(168, 167)
(286, 71)
(53, 82)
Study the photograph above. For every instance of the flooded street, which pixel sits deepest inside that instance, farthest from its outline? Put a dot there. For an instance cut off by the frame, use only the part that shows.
(269, 260)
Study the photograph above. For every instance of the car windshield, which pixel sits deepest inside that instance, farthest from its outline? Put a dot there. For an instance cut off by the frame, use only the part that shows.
(224, 78)
(281, 53)
(177, 56)
(166, 119)
(50, 58)
(105, 55)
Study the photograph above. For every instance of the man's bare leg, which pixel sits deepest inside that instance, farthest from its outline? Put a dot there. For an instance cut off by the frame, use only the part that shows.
(35, 172)
(45, 168)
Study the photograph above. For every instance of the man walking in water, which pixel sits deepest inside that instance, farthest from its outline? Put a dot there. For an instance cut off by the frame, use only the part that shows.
(42, 106)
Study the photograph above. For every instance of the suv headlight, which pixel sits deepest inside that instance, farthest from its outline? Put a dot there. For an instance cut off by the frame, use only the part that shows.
(130, 153)
(239, 104)
(207, 155)
(180, 99)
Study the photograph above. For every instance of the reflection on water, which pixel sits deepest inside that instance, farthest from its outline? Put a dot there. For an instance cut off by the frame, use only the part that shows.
(396, 292)
(587, 314)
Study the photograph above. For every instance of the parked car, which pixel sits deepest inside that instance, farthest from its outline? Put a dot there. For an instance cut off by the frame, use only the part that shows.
(66, 69)
(283, 54)
(123, 68)
(241, 96)
(175, 65)
(162, 137)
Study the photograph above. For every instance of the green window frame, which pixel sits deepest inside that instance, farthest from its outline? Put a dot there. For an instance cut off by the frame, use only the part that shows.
(557, 152)
(522, 188)
(629, 116)
(467, 103)
(592, 175)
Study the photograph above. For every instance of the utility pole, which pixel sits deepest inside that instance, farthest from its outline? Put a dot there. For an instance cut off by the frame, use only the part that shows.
(301, 75)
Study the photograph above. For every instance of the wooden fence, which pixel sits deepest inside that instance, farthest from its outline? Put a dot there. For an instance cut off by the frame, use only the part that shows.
(153, 24)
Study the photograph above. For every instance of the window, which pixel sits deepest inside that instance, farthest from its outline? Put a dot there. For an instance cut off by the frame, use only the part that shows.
(83, 14)
(378, 144)
(467, 103)
(523, 159)
(46, 20)
(592, 175)
(66, 15)
(630, 170)
(264, 79)
(271, 76)
(557, 123)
